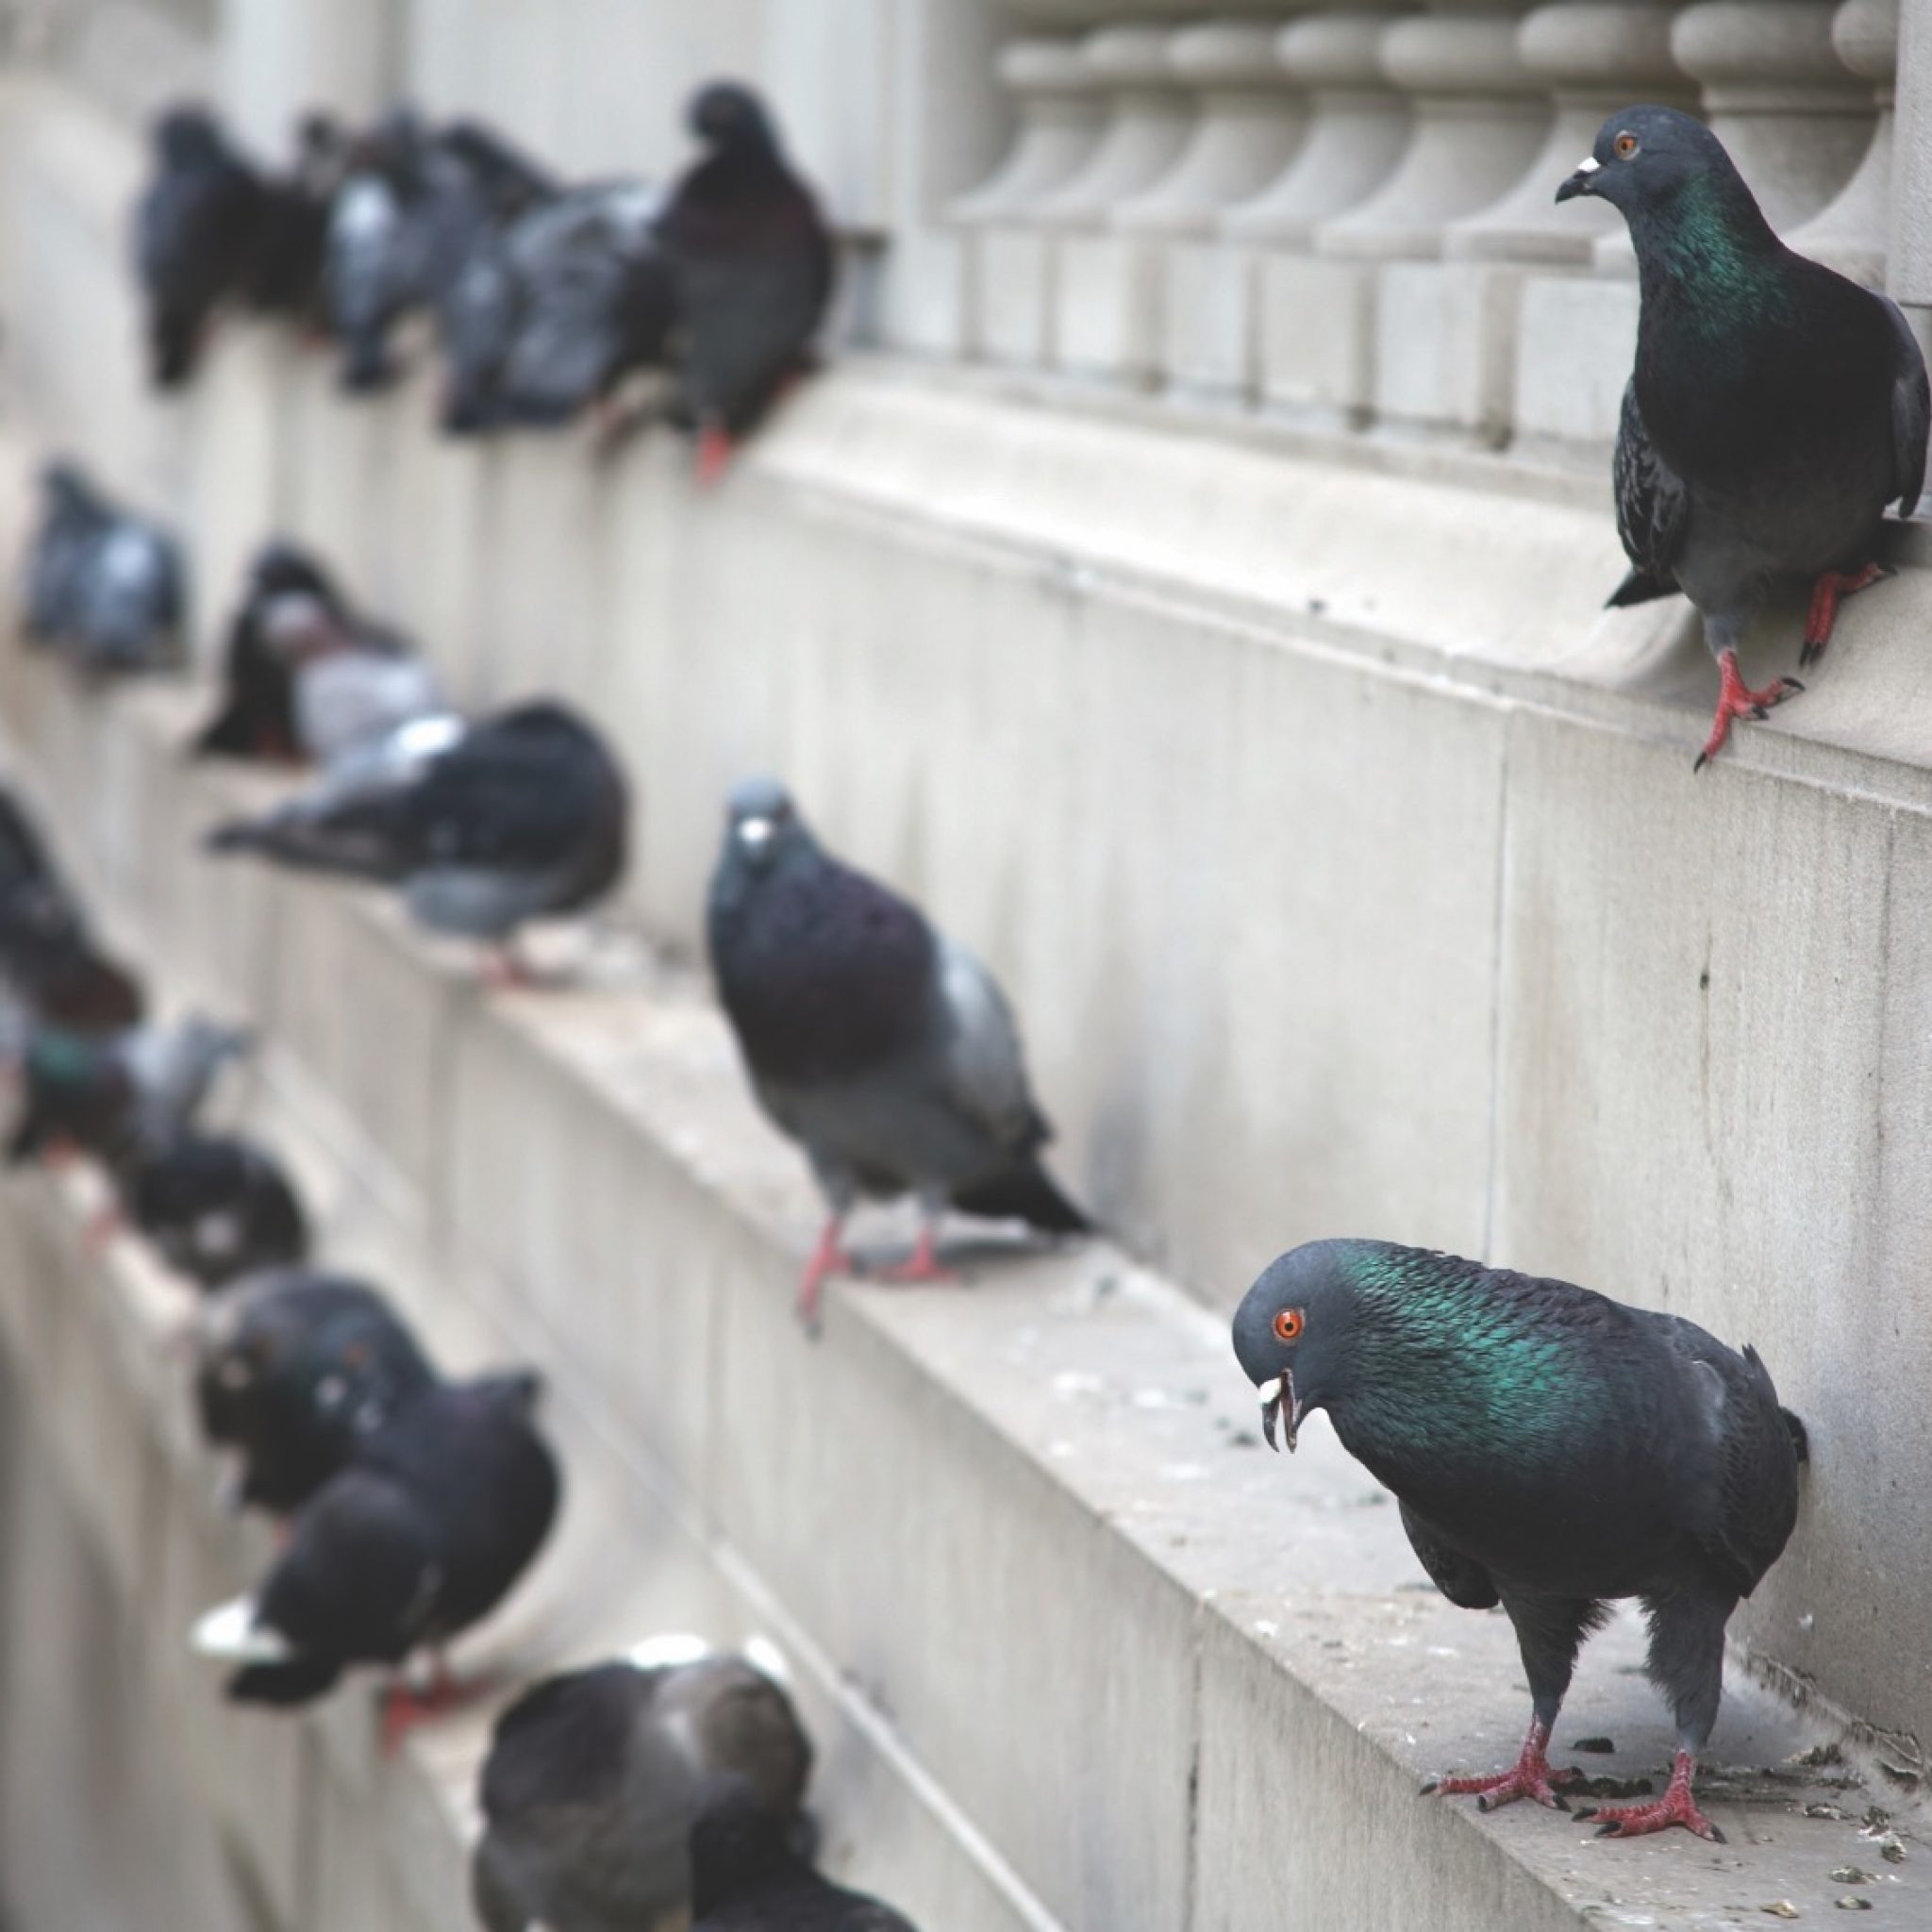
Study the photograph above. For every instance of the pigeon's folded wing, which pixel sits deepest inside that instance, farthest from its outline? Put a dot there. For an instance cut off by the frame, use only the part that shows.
(1912, 413)
(1651, 504)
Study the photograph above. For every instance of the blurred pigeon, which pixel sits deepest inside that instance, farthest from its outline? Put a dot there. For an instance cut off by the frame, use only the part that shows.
(521, 816)
(256, 718)
(215, 1206)
(753, 265)
(1551, 1450)
(575, 297)
(435, 1516)
(105, 587)
(351, 684)
(293, 1368)
(48, 959)
(588, 1791)
(195, 235)
(1775, 408)
(747, 1876)
(883, 1048)
(286, 268)
(405, 220)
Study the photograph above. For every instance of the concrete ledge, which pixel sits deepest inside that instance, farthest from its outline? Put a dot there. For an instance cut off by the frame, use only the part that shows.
(1074, 1613)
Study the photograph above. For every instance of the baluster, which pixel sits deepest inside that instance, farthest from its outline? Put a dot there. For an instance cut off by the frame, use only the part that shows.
(1850, 234)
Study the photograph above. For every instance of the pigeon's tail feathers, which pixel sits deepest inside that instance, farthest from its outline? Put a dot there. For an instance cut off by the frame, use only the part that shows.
(1800, 1436)
(298, 1682)
(1639, 587)
(230, 1633)
(171, 343)
(1025, 1192)
(521, 1390)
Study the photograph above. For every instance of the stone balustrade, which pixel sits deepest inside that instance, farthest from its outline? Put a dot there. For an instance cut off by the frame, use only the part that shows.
(1345, 214)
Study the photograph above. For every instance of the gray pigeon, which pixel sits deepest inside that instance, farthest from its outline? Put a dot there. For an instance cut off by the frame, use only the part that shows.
(589, 1787)
(1551, 1450)
(884, 1048)
(1775, 410)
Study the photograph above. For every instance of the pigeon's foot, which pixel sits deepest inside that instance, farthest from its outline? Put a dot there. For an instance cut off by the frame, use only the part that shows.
(105, 1227)
(1736, 699)
(1530, 1776)
(1677, 1807)
(1826, 594)
(715, 451)
(925, 1264)
(828, 1259)
(404, 1708)
(502, 969)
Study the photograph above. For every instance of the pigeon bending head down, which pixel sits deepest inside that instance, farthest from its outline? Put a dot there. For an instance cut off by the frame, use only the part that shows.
(1551, 1450)
(880, 1045)
(1775, 410)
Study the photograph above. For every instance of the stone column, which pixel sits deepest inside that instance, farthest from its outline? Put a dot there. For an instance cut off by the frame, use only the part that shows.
(280, 57)
(1795, 120)
(1910, 257)
(1850, 233)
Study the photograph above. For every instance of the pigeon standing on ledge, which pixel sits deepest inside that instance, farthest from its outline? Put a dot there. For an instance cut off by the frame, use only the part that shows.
(1551, 1450)
(214, 1207)
(1775, 410)
(884, 1049)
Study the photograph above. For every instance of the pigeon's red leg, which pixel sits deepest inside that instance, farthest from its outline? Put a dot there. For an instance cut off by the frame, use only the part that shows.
(1826, 594)
(1530, 1776)
(403, 1708)
(1736, 699)
(925, 1264)
(104, 1227)
(829, 1257)
(715, 451)
(1677, 1807)
(502, 969)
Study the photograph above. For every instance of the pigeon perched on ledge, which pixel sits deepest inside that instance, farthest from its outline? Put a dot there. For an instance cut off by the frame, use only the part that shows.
(521, 816)
(887, 1051)
(214, 1207)
(1551, 1450)
(1775, 408)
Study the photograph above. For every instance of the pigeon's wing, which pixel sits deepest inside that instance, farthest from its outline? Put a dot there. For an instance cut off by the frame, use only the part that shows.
(1911, 412)
(1460, 1578)
(984, 1068)
(1651, 504)
(1740, 1490)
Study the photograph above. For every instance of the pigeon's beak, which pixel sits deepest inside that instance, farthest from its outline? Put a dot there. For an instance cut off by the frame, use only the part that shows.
(1280, 1406)
(1580, 182)
(754, 833)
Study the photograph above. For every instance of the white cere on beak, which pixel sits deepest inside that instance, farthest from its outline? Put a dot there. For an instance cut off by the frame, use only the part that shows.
(754, 832)
(1588, 165)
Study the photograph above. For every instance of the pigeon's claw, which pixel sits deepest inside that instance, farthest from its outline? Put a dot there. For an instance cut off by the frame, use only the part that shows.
(1826, 594)
(1677, 1807)
(1530, 1776)
(1736, 699)
(828, 1259)
(925, 1264)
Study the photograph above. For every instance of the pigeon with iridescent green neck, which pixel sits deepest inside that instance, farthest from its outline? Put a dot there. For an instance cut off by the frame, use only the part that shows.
(1775, 410)
(1552, 1450)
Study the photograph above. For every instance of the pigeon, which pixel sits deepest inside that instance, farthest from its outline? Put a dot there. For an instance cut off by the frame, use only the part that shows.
(588, 1791)
(196, 232)
(293, 1368)
(120, 1097)
(349, 685)
(1551, 1450)
(747, 1876)
(884, 1048)
(1775, 410)
(48, 960)
(575, 296)
(257, 717)
(105, 587)
(215, 1206)
(421, 1533)
(407, 218)
(285, 269)
(753, 266)
(521, 816)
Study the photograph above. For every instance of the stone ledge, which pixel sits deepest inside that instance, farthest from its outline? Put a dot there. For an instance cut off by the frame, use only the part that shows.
(1062, 1451)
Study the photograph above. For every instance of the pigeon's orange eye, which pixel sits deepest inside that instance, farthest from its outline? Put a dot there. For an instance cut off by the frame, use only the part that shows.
(1625, 145)
(1289, 1325)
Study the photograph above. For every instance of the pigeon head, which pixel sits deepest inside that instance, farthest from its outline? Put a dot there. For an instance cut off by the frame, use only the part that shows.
(1645, 158)
(731, 118)
(190, 137)
(298, 625)
(762, 827)
(1294, 1332)
(281, 567)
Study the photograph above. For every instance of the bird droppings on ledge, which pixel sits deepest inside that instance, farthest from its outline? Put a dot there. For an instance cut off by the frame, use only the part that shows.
(1600, 1747)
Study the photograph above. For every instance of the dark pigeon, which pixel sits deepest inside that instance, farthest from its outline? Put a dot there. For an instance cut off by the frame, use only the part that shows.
(285, 270)
(1552, 1450)
(887, 1051)
(104, 588)
(197, 230)
(747, 1876)
(257, 717)
(576, 296)
(589, 1789)
(1775, 410)
(215, 1206)
(293, 1368)
(522, 816)
(753, 262)
(420, 1535)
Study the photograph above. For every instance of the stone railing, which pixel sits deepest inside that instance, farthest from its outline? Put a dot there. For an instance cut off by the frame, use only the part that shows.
(1346, 213)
